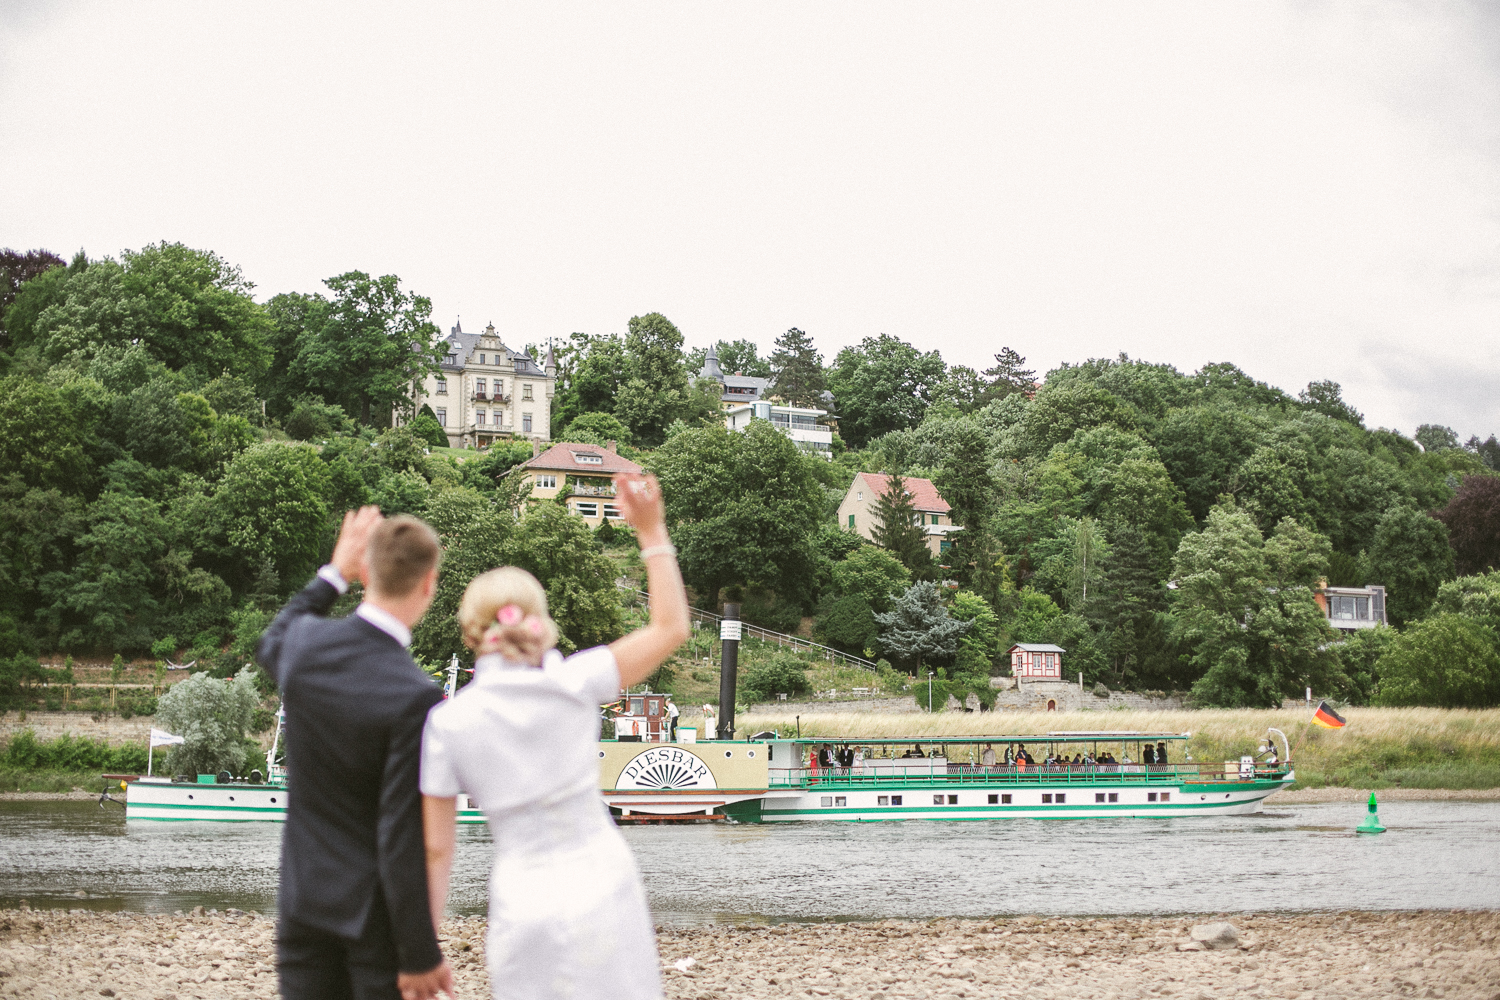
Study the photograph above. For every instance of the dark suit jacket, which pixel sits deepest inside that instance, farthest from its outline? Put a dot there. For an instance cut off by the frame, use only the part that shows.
(355, 705)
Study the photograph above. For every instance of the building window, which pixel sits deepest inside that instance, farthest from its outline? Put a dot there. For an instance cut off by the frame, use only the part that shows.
(526, 424)
(481, 359)
(944, 545)
(1046, 798)
(883, 800)
(1005, 799)
(588, 458)
(442, 387)
(442, 415)
(526, 391)
(895, 800)
(479, 417)
(851, 520)
(840, 800)
(587, 509)
(612, 511)
(994, 799)
(548, 482)
(826, 801)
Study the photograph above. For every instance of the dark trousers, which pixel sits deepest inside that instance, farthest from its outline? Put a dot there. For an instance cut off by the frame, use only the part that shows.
(314, 964)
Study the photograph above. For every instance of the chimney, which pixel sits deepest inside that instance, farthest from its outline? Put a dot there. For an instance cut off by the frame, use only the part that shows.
(536, 447)
(610, 447)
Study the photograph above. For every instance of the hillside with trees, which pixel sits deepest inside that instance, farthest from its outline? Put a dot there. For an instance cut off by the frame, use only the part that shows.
(175, 453)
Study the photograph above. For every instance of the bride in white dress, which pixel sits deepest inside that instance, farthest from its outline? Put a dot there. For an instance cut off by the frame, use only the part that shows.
(568, 915)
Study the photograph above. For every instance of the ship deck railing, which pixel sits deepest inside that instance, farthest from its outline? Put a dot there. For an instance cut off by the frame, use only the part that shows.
(969, 774)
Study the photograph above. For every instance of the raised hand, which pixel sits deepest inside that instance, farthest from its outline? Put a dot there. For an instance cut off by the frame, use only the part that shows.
(354, 538)
(639, 499)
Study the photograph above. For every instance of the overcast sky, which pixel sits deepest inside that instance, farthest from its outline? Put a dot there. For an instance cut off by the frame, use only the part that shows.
(1308, 191)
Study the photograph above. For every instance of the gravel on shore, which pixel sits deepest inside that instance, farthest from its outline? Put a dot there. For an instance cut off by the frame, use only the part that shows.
(61, 954)
(1303, 796)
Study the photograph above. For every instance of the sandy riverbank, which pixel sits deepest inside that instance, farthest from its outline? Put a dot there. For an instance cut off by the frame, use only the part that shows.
(49, 954)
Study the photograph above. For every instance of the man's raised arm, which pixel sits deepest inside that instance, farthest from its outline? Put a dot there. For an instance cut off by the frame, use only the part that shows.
(346, 567)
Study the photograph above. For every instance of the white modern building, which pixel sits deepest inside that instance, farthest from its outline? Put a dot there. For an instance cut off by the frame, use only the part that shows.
(796, 422)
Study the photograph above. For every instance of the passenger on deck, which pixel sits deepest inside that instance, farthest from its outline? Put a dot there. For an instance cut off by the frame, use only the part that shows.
(1088, 760)
(825, 756)
(846, 757)
(1161, 753)
(1010, 756)
(915, 751)
(1078, 760)
(1149, 756)
(988, 757)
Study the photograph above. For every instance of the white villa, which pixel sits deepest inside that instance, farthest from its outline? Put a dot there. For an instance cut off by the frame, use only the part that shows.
(485, 391)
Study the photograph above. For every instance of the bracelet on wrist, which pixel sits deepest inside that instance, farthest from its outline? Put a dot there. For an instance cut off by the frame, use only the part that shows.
(666, 549)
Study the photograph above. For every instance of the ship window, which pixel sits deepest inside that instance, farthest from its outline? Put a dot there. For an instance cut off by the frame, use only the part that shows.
(1046, 798)
(1166, 796)
(1098, 796)
(840, 800)
(1150, 796)
(1061, 798)
(953, 800)
(273, 802)
(937, 800)
(994, 799)
(1114, 796)
(895, 800)
(883, 800)
(1005, 799)
(653, 707)
(826, 801)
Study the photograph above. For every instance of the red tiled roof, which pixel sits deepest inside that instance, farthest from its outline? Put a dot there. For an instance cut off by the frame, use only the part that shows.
(924, 495)
(561, 456)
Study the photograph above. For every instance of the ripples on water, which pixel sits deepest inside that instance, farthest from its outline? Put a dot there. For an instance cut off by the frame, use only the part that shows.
(1436, 854)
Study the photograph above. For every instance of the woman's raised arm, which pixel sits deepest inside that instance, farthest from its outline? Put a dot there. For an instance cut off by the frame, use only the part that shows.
(642, 651)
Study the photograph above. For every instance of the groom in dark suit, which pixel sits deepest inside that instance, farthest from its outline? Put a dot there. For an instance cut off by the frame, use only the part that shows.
(355, 921)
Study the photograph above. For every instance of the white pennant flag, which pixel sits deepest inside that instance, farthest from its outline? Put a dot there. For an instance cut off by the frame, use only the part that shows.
(161, 739)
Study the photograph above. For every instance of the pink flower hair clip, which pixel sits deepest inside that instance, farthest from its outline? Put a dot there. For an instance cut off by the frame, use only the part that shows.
(509, 615)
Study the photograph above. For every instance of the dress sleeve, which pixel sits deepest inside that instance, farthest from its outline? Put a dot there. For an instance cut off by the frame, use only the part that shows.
(590, 676)
(439, 779)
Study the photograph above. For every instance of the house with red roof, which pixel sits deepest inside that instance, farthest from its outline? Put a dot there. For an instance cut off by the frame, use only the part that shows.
(580, 475)
(857, 511)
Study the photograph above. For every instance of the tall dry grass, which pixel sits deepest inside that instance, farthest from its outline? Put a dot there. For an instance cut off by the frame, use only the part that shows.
(1431, 747)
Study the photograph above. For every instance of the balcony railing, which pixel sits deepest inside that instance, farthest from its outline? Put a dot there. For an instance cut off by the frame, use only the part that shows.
(1001, 774)
(580, 490)
(495, 397)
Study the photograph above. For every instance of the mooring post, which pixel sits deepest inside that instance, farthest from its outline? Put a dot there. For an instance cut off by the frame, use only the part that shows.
(729, 664)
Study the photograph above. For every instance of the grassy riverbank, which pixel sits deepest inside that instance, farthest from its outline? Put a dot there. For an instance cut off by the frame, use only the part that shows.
(20, 780)
(1379, 748)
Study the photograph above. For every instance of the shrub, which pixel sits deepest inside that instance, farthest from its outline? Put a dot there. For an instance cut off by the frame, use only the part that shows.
(69, 753)
(783, 673)
(212, 716)
(1447, 661)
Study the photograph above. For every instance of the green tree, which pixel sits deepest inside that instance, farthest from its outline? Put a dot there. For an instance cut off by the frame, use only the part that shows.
(1327, 398)
(964, 478)
(871, 574)
(1448, 661)
(596, 427)
(558, 549)
(427, 430)
(1008, 376)
(1436, 437)
(590, 371)
(797, 370)
(15, 270)
(744, 508)
(1411, 558)
(198, 311)
(376, 342)
(41, 437)
(919, 627)
(1359, 659)
(983, 636)
(272, 505)
(111, 592)
(736, 357)
(881, 385)
(897, 530)
(295, 319)
(211, 716)
(848, 623)
(656, 390)
(1473, 521)
(474, 531)
(783, 673)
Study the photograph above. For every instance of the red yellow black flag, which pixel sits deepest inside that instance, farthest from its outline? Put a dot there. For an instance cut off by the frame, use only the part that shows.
(1327, 717)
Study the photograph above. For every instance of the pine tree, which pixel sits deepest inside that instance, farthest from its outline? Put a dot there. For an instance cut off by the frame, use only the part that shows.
(1008, 376)
(919, 626)
(797, 370)
(898, 531)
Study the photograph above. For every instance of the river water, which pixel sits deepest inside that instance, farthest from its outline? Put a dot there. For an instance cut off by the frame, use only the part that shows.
(1435, 855)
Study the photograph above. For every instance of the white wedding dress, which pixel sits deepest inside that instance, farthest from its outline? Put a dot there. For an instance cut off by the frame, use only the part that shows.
(568, 914)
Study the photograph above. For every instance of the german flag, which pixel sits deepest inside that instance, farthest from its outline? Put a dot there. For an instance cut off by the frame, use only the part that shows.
(1327, 717)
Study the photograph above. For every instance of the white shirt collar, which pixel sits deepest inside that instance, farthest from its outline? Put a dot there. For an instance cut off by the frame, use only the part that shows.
(385, 621)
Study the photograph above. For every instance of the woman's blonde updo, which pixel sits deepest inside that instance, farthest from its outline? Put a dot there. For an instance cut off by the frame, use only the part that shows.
(521, 635)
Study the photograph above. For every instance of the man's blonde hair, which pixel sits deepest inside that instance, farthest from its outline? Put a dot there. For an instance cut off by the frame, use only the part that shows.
(487, 593)
(402, 551)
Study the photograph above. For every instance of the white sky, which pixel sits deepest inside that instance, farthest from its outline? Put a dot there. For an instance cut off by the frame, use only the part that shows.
(1306, 190)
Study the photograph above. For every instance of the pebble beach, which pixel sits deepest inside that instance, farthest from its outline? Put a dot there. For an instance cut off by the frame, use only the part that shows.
(210, 955)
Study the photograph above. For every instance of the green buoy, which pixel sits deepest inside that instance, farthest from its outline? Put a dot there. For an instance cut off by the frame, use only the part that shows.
(1371, 823)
